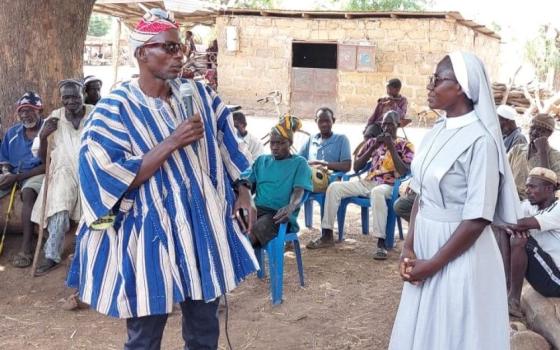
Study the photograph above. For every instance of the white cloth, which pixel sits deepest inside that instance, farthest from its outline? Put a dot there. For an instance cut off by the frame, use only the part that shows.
(464, 305)
(253, 144)
(548, 237)
(377, 194)
(471, 75)
(63, 192)
(506, 112)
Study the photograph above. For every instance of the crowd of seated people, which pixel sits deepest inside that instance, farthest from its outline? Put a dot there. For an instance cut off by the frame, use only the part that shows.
(530, 249)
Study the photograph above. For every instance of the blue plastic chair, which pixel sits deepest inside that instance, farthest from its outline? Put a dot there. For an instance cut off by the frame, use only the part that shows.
(275, 251)
(318, 197)
(365, 204)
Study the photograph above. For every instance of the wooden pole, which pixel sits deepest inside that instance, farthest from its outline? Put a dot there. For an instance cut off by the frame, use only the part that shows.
(43, 211)
(116, 48)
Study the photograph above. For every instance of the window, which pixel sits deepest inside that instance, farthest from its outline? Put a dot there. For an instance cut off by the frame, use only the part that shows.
(313, 55)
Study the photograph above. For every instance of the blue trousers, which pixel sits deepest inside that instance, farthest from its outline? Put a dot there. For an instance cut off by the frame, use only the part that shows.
(200, 328)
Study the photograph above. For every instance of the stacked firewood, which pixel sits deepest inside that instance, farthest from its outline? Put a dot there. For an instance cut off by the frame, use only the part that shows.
(521, 98)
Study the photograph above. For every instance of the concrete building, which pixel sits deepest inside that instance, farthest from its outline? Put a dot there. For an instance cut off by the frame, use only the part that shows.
(339, 59)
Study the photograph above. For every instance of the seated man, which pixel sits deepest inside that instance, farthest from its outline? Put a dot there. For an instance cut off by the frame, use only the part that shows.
(394, 101)
(510, 131)
(61, 133)
(19, 166)
(280, 179)
(390, 158)
(92, 89)
(535, 255)
(538, 153)
(403, 205)
(254, 145)
(327, 149)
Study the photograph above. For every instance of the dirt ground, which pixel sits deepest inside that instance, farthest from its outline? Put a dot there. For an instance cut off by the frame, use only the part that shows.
(348, 302)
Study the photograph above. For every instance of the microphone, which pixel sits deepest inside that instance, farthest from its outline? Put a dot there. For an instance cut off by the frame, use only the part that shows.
(187, 92)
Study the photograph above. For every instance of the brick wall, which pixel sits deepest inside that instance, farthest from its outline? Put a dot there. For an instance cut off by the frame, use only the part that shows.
(405, 48)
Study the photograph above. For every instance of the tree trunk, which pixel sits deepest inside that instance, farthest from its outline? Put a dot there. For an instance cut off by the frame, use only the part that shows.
(42, 43)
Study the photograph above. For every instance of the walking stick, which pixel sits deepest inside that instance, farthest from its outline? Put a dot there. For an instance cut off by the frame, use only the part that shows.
(43, 210)
(8, 214)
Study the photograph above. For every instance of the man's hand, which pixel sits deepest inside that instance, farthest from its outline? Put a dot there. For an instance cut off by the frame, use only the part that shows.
(50, 126)
(7, 180)
(283, 214)
(541, 144)
(515, 231)
(188, 132)
(385, 139)
(244, 204)
(318, 162)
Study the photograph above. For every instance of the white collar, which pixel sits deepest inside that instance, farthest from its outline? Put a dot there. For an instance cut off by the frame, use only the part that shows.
(459, 122)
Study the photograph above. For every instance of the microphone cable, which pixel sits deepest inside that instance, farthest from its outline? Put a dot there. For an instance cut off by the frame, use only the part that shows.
(226, 323)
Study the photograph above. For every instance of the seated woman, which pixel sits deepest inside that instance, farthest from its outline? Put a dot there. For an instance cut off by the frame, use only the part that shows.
(280, 179)
(326, 148)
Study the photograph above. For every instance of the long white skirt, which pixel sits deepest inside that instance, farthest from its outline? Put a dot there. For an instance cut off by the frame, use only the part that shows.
(463, 306)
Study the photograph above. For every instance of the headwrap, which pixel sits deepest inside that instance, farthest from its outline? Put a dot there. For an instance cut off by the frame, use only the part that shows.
(76, 82)
(154, 22)
(91, 79)
(287, 126)
(29, 99)
(471, 75)
(544, 121)
(506, 112)
(544, 174)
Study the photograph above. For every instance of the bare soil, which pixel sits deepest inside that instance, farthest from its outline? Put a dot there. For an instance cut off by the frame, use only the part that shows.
(349, 302)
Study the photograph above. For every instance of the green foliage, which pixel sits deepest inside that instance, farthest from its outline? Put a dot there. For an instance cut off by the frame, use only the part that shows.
(386, 5)
(543, 51)
(99, 25)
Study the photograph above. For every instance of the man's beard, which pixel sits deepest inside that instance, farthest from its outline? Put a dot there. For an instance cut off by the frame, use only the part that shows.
(29, 125)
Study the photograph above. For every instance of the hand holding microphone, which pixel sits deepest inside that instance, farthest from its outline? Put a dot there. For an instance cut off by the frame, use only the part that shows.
(192, 129)
(188, 132)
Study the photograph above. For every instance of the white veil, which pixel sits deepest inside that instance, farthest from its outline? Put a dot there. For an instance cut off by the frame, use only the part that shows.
(472, 77)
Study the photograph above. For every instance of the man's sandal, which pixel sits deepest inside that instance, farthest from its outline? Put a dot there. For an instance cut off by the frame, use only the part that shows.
(21, 260)
(380, 254)
(319, 243)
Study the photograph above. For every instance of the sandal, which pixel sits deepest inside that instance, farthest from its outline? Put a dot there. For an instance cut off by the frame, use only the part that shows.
(73, 303)
(22, 260)
(47, 265)
(380, 254)
(319, 243)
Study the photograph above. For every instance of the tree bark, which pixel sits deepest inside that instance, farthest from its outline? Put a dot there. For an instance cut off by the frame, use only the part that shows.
(42, 43)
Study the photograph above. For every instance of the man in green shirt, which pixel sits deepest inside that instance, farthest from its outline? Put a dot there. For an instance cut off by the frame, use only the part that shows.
(280, 179)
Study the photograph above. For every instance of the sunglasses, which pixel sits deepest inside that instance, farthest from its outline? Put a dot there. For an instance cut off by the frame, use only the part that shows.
(435, 80)
(170, 48)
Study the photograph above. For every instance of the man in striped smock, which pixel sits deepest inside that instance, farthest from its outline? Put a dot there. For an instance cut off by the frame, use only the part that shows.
(168, 180)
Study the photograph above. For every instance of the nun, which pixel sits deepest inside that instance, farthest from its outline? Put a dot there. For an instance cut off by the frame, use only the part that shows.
(454, 296)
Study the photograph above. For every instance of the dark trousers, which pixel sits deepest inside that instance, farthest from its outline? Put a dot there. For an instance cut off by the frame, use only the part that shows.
(200, 328)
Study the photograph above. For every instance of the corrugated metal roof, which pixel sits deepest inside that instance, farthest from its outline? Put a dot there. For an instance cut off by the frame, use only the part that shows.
(186, 12)
(190, 12)
(364, 14)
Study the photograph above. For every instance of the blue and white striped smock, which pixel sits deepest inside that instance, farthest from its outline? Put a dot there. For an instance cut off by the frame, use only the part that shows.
(173, 237)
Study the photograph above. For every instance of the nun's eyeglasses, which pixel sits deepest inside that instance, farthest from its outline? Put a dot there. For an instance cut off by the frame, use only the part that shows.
(435, 80)
(170, 48)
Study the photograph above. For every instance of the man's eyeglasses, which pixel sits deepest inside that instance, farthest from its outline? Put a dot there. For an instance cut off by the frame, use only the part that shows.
(170, 48)
(435, 80)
